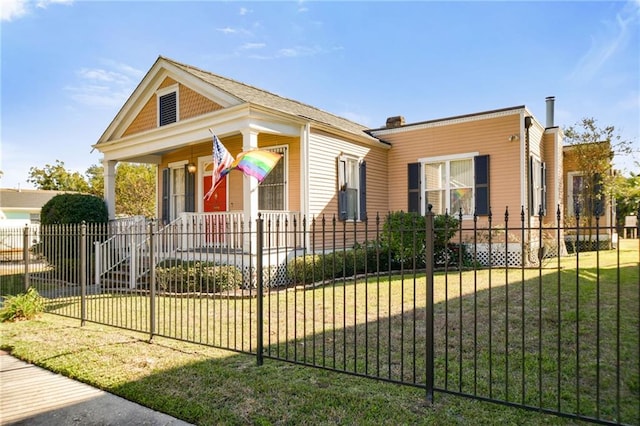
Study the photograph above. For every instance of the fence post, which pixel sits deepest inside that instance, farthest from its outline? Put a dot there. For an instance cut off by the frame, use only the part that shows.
(429, 253)
(152, 284)
(259, 283)
(25, 256)
(83, 273)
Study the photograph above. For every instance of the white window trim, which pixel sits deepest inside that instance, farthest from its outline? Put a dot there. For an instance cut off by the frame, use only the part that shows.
(166, 91)
(447, 159)
(570, 176)
(453, 157)
(536, 186)
(285, 148)
(176, 165)
(344, 157)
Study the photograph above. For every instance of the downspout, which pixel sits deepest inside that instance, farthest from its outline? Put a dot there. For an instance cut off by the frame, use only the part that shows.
(527, 183)
(527, 153)
(305, 132)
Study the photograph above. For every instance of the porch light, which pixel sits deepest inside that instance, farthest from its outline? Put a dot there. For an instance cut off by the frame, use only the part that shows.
(191, 167)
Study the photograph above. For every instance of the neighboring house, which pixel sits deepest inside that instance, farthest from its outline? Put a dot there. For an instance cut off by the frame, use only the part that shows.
(331, 166)
(20, 207)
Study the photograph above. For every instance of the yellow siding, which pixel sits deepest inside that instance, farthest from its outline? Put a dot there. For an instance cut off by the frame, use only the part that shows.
(489, 136)
(234, 146)
(553, 159)
(191, 104)
(146, 119)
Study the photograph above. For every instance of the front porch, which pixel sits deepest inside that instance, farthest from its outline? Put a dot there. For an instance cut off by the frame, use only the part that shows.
(126, 258)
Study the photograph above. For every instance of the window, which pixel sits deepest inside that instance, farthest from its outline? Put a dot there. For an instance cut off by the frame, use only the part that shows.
(537, 187)
(167, 105)
(450, 184)
(351, 188)
(273, 189)
(178, 191)
(583, 196)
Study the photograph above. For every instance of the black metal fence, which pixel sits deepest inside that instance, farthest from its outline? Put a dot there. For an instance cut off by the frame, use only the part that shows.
(539, 317)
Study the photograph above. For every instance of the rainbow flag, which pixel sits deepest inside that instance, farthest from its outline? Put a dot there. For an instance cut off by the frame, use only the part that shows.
(257, 163)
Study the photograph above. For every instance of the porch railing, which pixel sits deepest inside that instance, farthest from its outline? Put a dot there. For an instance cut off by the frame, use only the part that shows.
(225, 229)
(125, 252)
(127, 236)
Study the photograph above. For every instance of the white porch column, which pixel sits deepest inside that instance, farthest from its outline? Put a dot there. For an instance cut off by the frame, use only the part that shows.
(250, 186)
(110, 187)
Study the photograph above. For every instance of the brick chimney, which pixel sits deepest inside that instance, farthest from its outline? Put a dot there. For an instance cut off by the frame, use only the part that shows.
(396, 121)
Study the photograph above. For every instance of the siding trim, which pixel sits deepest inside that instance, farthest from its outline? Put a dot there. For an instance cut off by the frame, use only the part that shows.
(448, 121)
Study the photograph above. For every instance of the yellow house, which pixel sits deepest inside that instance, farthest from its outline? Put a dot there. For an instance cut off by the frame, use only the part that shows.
(475, 164)
(169, 121)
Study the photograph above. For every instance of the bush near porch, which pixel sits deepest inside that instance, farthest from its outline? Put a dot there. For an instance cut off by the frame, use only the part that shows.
(178, 276)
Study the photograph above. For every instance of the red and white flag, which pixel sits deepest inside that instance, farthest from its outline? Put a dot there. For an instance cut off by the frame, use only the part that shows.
(221, 160)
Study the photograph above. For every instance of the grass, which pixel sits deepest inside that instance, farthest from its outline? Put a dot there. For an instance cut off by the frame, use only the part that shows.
(207, 386)
(539, 337)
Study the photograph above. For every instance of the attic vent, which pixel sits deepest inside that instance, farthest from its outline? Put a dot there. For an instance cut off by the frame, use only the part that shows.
(168, 111)
(396, 121)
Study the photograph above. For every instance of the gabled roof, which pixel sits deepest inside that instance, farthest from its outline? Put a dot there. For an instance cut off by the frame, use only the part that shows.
(25, 198)
(270, 100)
(244, 93)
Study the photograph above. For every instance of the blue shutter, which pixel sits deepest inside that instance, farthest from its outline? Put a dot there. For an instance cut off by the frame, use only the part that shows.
(481, 166)
(413, 173)
(342, 191)
(363, 190)
(189, 191)
(166, 195)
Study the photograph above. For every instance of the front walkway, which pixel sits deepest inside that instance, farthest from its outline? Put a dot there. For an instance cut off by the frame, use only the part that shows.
(30, 395)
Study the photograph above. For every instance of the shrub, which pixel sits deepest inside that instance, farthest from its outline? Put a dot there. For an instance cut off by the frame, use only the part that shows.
(404, 238)
(60, 238)
(307, 269)
(74, 208)
(22, 306)
(187, 276)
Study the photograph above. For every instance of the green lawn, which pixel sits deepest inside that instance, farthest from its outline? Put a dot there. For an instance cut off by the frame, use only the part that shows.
(542, 337)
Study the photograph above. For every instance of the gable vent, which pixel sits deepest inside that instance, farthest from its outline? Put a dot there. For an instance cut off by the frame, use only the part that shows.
(168, 109)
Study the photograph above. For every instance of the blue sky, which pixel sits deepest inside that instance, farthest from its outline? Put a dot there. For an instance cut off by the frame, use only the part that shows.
(68, 66)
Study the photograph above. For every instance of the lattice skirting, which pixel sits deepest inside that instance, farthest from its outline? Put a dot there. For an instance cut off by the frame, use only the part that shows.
(272, 276)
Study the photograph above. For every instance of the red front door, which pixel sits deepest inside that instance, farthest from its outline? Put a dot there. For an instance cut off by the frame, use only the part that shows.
(214, 224)
(218, 201)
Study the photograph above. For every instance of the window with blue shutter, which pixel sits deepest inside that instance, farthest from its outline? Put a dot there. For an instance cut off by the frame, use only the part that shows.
(351, 188)
(481, 166)
(459, 184)
(166, 195)
(413, 178)
(189, 191)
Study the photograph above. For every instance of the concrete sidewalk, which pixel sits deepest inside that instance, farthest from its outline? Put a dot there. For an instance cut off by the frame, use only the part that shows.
(30, 395)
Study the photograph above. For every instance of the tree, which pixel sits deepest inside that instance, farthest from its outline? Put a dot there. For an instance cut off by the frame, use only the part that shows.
(95, 178)
(135, 184)
(56, 177)
(135, 189)
(627, 194)
(593, 149)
